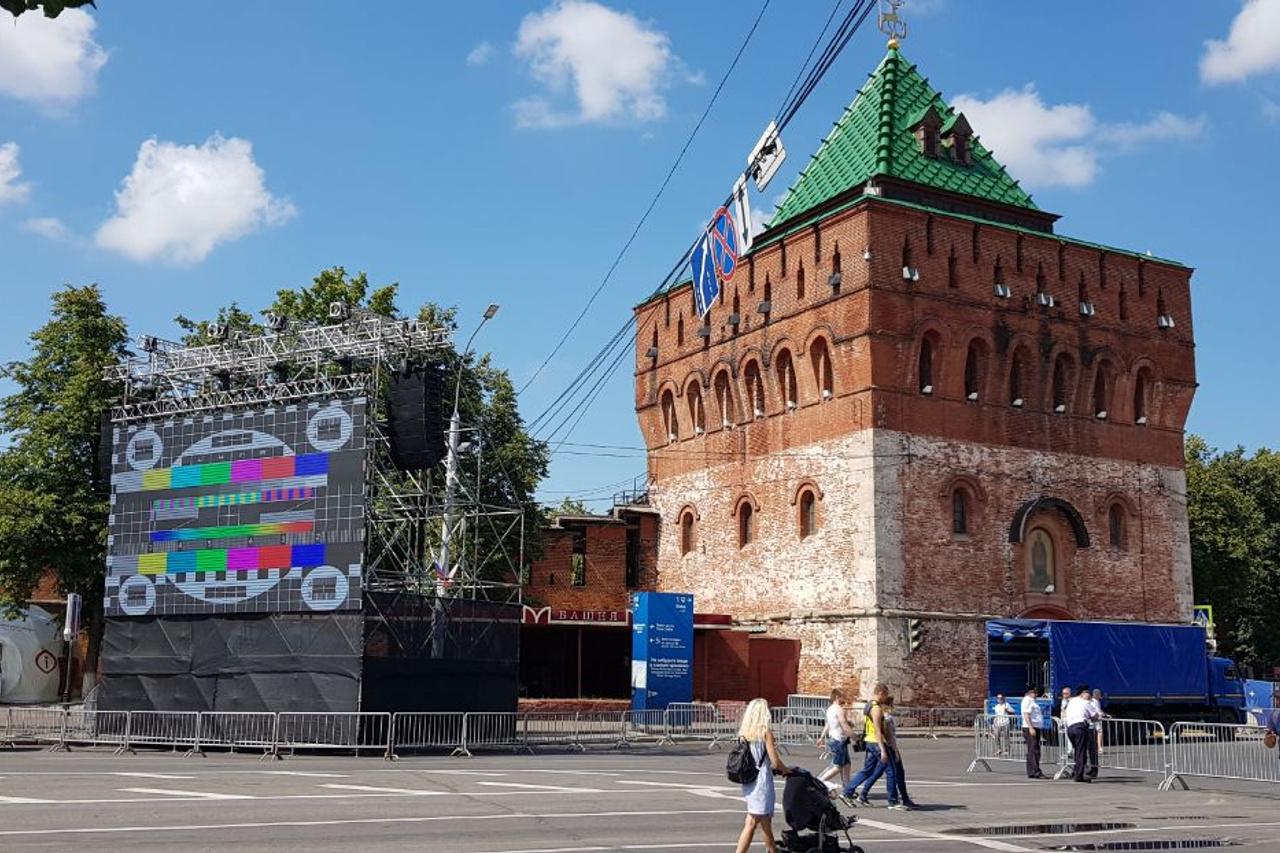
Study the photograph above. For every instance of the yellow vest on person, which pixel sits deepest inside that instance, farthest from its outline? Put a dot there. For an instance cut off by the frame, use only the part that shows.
(869, 727)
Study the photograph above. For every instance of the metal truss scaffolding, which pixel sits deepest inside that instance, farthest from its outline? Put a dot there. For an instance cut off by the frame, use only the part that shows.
(295, 362)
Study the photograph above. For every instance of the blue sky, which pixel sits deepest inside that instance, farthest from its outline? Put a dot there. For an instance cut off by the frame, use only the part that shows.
(184, 155)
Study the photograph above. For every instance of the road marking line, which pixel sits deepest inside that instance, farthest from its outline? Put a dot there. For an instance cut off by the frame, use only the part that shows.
(152, 776)
(118, 830)
(303, 773)
(557, 789)
(200, 795)
(924, 834)
(21, 800)
(372, 789)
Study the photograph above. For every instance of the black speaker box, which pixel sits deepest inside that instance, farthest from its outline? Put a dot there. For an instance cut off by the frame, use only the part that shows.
(416, 422)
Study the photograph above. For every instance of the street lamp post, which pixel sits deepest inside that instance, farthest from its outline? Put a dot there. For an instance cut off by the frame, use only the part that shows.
(451, 459)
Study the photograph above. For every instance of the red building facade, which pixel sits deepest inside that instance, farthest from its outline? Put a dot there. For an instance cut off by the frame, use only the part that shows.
(916, 407)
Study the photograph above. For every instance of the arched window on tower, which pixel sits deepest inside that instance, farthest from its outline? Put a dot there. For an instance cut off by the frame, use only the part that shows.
(1116, 526)
(746, 524)
(755, 389)
(697, 412)
(959, 512)
(823, 376)
(686, 532)
(975, 368)
(724, 400)
(1061, 383)
(669, 423)
(808, 507)
(786, 380)
(1102, 386)
(1018, 368)
(924, 367)
(1141, 385)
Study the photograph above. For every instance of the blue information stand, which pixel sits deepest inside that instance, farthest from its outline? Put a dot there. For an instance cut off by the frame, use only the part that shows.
(661, 650)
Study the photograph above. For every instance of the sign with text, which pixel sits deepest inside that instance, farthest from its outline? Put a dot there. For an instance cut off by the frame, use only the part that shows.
(661, 650)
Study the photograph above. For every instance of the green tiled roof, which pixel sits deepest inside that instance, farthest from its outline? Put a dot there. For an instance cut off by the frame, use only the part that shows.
(874, 137)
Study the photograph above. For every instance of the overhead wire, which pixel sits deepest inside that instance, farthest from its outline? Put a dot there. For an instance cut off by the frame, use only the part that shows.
(563, 415)
(654, 201)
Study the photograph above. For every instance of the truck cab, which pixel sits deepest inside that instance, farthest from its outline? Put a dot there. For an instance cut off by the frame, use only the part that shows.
(1226, 690)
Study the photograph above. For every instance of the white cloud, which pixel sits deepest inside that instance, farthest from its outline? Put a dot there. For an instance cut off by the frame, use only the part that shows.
(1164, 125)
(480, 54)
(1061, 144)
(615, 65)
(10, 171)
(49, 61)
(1270, 110)
(181, 201)
(49, 228)
(1252, 46)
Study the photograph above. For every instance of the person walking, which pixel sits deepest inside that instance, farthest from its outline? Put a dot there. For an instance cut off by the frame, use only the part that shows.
(1002, 714)
(1076, 718)
(877, 761)
(1095, 732)
(1272, 735)
(759, 794)
(899, 799)
(838, 732)
(1032, 722)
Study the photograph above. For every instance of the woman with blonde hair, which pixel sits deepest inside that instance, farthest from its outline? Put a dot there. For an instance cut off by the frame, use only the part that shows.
(759, 794)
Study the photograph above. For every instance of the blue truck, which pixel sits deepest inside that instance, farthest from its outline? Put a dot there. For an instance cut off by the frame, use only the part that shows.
(1145, 672)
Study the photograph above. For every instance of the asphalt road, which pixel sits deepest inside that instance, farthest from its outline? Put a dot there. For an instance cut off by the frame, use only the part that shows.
(646, 799)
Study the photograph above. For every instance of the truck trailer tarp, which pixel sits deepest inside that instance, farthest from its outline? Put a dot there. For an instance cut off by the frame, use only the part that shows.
(1126, 661)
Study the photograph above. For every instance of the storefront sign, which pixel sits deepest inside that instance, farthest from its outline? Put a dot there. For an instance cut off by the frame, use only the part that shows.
(562, 616)
(661, 650)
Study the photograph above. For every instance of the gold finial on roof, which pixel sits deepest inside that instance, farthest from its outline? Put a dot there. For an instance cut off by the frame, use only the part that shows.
(891, 23)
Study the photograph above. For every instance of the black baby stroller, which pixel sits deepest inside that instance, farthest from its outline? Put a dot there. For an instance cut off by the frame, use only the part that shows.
(812, 818)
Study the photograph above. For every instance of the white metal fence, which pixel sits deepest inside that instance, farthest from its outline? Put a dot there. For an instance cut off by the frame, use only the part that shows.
(1184, 751)
(1219, 751)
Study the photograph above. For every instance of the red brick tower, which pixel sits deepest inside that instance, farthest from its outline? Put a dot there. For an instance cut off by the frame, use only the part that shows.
(915, 401)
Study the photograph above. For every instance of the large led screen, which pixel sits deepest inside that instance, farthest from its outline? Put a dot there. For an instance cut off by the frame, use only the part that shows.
(260, 510)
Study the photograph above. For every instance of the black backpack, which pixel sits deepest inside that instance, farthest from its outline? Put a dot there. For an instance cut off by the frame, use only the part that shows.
(741, 766)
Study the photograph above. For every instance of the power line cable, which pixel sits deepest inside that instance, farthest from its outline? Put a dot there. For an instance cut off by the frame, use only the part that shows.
(654, 201)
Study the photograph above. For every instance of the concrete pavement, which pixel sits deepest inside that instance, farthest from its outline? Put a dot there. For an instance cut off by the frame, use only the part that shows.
(646, 799)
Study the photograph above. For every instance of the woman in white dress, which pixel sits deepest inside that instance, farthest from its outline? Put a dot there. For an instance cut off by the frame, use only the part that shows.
(759, 794)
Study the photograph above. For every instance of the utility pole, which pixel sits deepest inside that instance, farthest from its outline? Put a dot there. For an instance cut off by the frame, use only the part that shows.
(451, 520)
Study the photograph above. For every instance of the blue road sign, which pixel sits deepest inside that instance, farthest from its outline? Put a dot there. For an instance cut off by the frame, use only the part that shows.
(724, 244)
(706, 284)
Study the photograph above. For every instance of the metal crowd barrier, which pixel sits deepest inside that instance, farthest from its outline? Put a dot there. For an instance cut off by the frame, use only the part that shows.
(1128, 745)
(999, 737)
(548, 729)
(164, 728)
(638, 726)
(234, 730)
(354, 731)
(490, 730)
(428, 730)
(94, 728)
(1219, 751)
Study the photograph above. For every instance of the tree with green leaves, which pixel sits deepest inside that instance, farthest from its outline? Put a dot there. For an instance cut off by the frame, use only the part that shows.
(511, 462)
(51, 8)
(1233, 507)
(53, 497)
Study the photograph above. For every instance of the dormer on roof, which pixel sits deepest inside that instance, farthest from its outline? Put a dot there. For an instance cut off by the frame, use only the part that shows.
(926, 130)
(956, 135)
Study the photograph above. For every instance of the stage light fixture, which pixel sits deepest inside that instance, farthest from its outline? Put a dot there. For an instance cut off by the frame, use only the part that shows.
(218, 331)
(223, 379)
(276, 322)
(339, 311)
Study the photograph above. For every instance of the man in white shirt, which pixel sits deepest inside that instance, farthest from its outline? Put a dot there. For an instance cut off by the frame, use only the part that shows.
(838, 731)
(1002, 714)
(1076, 718)
(1032, 722)
(1063, 699)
